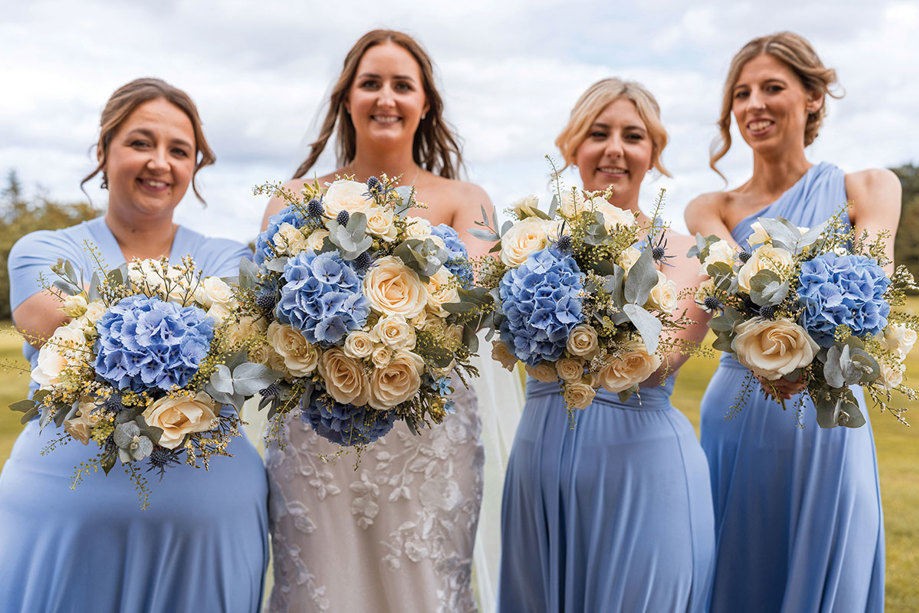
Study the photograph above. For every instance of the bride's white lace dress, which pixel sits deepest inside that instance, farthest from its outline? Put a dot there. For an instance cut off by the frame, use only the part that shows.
(397, 534)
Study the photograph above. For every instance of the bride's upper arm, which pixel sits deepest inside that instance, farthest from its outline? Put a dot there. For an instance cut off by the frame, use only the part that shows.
(876, 197)
(703, 216)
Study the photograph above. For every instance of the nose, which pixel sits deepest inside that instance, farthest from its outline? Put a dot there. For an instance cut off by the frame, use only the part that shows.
(757, 99)
(157, 161)
(386, 95)
(613, 147)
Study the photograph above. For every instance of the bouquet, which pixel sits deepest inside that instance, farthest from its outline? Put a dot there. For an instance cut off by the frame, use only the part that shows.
(812, 304)
(578, 297)
(352, 298)
(143, 366)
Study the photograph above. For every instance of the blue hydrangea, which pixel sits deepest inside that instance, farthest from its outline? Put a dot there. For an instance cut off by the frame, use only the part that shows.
(346, 424)
(322, 297)
(541, 301)
(263, 249)
(444, 387)
(838, 290)
(146, 343)
(459, 255)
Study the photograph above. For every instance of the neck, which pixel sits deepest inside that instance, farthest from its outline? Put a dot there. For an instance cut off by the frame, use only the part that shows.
(147, 238)
(774, 173)
(393, 162)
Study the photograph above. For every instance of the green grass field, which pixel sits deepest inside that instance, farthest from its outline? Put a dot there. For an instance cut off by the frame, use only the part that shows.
(898, 457)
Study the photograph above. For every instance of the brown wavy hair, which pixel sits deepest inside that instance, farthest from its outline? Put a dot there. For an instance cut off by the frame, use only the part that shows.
(599, 96)
(795, 52)
(435, 147)
(130, 96)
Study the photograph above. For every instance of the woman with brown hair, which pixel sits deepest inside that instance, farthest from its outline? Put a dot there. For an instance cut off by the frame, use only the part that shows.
(797, 507)
(396, 533)
(202, 545)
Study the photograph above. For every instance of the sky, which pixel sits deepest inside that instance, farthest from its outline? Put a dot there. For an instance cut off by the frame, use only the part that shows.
(509, 72)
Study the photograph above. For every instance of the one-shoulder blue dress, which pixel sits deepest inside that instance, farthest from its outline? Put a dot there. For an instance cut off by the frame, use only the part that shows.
(614, 514)
(202, 544)
(797, 509)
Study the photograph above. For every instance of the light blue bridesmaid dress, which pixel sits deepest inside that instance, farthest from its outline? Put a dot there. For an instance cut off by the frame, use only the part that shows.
(614, 514)
(202, 544)
(797, 510)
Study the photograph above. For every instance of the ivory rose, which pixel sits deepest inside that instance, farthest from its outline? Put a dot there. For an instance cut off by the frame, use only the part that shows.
(300, 357)
(345, 195)
(344, 377)
(775, 259)
(81, 426)
(570, 369)
(899, 340)
(64, 349)
(441, 289)
(418, 227)
(721, 251)
(380, 223)
(180, 416)
(663, 296)
(628, 258)
(315, 239)
(632, 366)
(288, 240)
(759, 236)
(544, 371)
(582, 341)
(394, 289)
(394, 332)
(890, 376)
(397, 382)
(74, 306)
(579, 395)
(773, 348)
(526, 237)
(502, 355)
(358, 345)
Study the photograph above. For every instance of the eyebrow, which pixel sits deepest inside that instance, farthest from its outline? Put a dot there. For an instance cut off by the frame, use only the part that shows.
(769, 80)
(373, 75)
(600, 124)
(149, 134)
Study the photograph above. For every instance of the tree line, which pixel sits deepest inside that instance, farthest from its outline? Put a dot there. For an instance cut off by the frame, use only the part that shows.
(21, 213)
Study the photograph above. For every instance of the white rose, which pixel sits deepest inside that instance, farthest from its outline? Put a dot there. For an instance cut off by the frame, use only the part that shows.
(94, 311)
(381, 356)
(441, 289)
(247, 327)
(396, 382)
(773, 348)
(502, 354)
(315, 239)
(380, 223)
(358, 345)
(544, 371)
(344, 195)
(890, 376)
(629, 367)
(417, 227)
(180, 416)
(899, 340)
(395, 332)
(74, 306)
(344, 377)
(663, 296)
(523, 238)
(394, 289)
(570, 369)
(81, 426)
(775, 259)
(582, 341)
(759, 236)
(300, 357)
(531, 202)
(572, 203)
(613, 216)
(579, 395)
(66, 347)
(721, 251)
(215, 292)
(628, 258)
(288, 240)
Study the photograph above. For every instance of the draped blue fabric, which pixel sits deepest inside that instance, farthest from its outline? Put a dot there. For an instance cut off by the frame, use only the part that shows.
(201, 546)
(613, 514)
(798, 514)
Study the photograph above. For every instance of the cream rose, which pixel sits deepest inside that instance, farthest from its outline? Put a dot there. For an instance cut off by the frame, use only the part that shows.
(344, 377)
(891, 376)
(628, 258)
(288, 240)
(525, 237)
(775, 259)
(570, 369)
(441, 289)
(300, 357)
(74, 306)
(773, 348)
(502, 355)
(417, 227)
(180, 416)
(579, 395)
(544, 371)
(613, 216)
(81, 426)
(265, 355)
(663, 296)
(899, 340)
(627, 368)
(358, 345)
(527, 202)
(721, 251)
(345, 195)
(247, 327)
(214, 289)
(572, 203)
(315, 239)
(582, 341)
(381, 356)
(380, 223)
(66, 347)
(395, 332)
(396, 382)
(759, 236)
(394, 289)
(94, 311)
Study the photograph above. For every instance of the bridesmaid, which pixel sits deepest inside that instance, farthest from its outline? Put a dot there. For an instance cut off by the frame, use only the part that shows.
(797, 510)
(401, 527)
(202, 544)
(614, 514)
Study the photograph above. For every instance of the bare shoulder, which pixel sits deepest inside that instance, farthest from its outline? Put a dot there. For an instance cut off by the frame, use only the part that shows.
(706, 213)
(462, 190)
(871, 181)
(708, 204)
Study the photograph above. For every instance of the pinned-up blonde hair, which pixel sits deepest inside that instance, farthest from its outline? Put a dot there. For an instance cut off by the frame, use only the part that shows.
(794, 51)
(599, 96)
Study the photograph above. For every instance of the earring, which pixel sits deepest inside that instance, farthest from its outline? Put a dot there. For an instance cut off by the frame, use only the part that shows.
(423, 116)
(104, 184)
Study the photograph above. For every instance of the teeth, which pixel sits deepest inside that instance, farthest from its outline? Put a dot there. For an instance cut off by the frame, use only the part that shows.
(760, 125)
(386, 119)
(154, 183)
(614, 170)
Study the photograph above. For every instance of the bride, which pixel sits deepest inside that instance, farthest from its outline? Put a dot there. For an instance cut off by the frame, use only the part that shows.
(396, 532)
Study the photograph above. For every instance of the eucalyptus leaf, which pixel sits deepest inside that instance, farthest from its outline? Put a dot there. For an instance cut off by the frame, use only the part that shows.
(647, 325)
(222, 380)
(93, 293)
(249, 378)
(23, 406)
(485, 235)
(553, 206)
(641, 279)
(276, 264)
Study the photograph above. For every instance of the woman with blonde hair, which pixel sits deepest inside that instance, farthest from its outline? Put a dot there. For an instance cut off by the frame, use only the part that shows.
(797, 507)
(202, 545)
(614, 513)
(396, 532)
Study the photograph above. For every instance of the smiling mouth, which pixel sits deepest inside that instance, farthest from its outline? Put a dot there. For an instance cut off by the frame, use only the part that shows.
(153, 183)
(388, 119)
(613, 170)
(759, 125)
